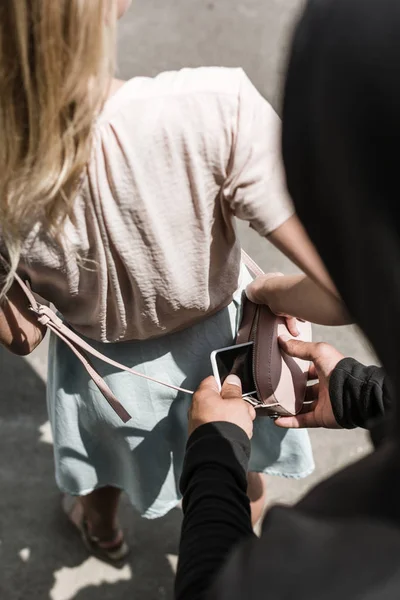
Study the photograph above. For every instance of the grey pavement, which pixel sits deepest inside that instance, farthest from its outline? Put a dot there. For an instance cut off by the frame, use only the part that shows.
(40, 556)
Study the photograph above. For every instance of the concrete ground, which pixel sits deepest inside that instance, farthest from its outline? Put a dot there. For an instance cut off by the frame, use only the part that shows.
(40, 555)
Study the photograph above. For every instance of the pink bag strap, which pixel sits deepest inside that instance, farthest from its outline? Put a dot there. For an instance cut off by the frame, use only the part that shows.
(251, 265)
(46, 316)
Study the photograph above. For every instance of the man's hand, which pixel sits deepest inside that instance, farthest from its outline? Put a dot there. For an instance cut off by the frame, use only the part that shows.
(209, 405)
(324, 359)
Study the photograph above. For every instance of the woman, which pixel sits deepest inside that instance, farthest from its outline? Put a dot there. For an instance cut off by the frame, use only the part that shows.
(117, 202)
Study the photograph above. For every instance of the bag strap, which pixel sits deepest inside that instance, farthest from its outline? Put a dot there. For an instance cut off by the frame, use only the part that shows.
(251, 264)
(47, 317)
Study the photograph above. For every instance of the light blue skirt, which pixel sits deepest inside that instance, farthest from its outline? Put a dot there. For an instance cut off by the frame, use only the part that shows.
(144, 457)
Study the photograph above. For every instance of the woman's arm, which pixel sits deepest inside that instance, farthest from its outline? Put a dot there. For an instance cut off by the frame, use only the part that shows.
(20, 332)
(298, 296)
(292, 240)
(312, 296)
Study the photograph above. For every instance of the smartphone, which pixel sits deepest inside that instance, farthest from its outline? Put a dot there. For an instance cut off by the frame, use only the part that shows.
(235, 360)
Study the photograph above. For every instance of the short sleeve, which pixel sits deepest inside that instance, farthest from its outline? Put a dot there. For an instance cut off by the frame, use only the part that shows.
(256, 187)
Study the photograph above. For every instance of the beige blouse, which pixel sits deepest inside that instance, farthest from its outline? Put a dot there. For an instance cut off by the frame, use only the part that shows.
(154, 248)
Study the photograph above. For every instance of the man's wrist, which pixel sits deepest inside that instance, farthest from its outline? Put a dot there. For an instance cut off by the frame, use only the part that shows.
(225, 429)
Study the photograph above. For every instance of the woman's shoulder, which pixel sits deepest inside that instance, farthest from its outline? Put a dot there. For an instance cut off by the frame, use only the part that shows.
(175, 86)
(213, 80)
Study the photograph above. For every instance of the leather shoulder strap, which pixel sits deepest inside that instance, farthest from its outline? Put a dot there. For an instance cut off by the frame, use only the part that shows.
(251, 264)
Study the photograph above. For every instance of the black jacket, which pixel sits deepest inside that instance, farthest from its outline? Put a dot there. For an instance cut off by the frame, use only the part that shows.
(360, 397)
(217, 513)
(340, 141)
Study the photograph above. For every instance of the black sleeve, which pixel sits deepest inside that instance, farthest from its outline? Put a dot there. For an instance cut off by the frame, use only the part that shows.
(359, 395)
(215, 505)
(341, 541)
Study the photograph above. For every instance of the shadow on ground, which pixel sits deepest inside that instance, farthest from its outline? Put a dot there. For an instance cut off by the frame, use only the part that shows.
(41, 555)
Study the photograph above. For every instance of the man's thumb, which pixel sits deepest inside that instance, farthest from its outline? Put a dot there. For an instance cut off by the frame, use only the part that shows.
(297, 348)
(232, 388)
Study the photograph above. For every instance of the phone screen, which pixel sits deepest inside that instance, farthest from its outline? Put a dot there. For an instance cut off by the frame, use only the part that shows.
(237, 360)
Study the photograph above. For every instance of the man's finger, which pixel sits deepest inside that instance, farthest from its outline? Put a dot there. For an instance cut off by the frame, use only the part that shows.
(232, 388)
(209, 384)
(297, 348)
(252, 411)
(291, 324)
(298, 422)
(312, 392)
(312, 372)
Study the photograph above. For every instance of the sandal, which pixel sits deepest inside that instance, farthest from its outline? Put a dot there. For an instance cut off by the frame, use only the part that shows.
(113, 550)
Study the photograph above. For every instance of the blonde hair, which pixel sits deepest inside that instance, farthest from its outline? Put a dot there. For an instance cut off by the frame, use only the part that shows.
(56, 63)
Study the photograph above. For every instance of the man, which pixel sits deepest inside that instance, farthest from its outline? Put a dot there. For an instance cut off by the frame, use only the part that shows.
(340, 141)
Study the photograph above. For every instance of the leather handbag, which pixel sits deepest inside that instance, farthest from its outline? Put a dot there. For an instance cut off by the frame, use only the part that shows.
(280, 381)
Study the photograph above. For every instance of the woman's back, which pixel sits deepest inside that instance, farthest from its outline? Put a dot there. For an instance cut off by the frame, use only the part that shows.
(153, 248)
(121, 214)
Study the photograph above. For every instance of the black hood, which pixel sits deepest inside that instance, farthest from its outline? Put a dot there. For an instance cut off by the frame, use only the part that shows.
(341, 147)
